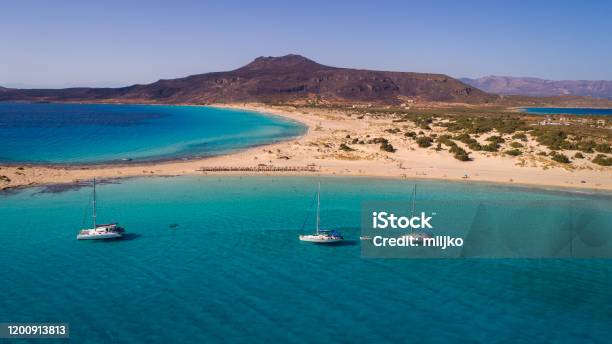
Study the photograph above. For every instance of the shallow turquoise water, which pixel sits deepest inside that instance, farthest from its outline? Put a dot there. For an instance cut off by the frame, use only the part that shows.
(69, 133)
(234, 271)
(569, 111)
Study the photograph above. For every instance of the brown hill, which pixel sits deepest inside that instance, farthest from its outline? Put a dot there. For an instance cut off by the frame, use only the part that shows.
(288, 78)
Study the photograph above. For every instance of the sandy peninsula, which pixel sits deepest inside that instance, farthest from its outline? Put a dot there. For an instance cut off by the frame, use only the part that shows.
(319, 149)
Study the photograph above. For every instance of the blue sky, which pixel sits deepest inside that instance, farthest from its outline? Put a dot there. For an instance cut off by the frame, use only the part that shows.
(66, 43)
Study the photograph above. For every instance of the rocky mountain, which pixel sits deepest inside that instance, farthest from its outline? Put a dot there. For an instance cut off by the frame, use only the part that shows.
(540, 87)
(290, 78)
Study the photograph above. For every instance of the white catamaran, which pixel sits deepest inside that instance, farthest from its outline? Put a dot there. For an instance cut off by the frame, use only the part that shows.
(100, 231)
(322, 236)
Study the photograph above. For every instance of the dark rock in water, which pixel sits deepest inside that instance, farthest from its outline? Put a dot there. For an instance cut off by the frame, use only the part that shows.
(59, 188)
(174, 225)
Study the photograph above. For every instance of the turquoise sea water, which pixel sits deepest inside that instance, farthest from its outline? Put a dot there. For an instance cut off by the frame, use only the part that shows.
(234, 271)
(68, 133)
(569, 111)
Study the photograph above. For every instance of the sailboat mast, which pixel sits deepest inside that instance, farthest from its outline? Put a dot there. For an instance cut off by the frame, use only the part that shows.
(318, 205)
(94, 203)
(413, 198)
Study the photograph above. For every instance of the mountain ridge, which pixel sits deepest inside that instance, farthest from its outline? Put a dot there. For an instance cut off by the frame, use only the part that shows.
(530, 86)
(289, 78)
(297, 79)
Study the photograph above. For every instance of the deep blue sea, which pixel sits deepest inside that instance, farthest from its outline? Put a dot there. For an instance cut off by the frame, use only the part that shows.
(569, 111)
(91, 133)
(233, 271)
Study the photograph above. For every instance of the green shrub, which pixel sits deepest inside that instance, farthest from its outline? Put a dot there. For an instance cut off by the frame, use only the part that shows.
(560, 157)
(387, 147)
(462, 156)
(380, 140)
(602, 160)
(465, 138)
(411, 134)
(496, 139)
(578, 155)
(585, 146)
(566, 145)
(520, 136)
(551, 138)
(514, 152)
(479, 125)
(475, 146)
(345, 148)
(446, 140)
(424, 141)
(603, 148)
(491, 147)
(423, 122)
(516, 145)
(459, 153)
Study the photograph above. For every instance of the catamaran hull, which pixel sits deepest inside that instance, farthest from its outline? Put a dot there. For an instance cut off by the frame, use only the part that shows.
(99, 236)
(320, 240)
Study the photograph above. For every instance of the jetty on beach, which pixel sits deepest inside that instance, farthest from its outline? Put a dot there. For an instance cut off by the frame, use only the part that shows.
(260, 168)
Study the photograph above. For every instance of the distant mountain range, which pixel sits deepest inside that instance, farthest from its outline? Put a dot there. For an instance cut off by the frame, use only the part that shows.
(539, 87)
(276, 79)
(293, 79)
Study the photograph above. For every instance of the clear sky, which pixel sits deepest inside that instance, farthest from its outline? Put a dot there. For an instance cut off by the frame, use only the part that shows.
(65, 43)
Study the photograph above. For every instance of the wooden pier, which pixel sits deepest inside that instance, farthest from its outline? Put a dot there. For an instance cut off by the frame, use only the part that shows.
(260, 168)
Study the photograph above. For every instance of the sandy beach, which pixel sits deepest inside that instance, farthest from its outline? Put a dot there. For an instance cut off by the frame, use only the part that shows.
(327, 130)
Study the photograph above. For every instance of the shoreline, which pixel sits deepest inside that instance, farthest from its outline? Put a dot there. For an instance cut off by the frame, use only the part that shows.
(324, 130)
(75, 185)
(156, 161)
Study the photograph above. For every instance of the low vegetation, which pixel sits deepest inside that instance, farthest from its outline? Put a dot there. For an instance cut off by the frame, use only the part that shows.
(387, 147)
(496, 139)
(603, 148)
(424, 141)
(520, 136)
(514, 152)
(446, 140)
(494, 129)
(384, 144)
(602, 160)
(481, 125)
(393, 130)
(552, 139)
(346, 148)
(491, 147)
(460, 154)
(560, 157)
